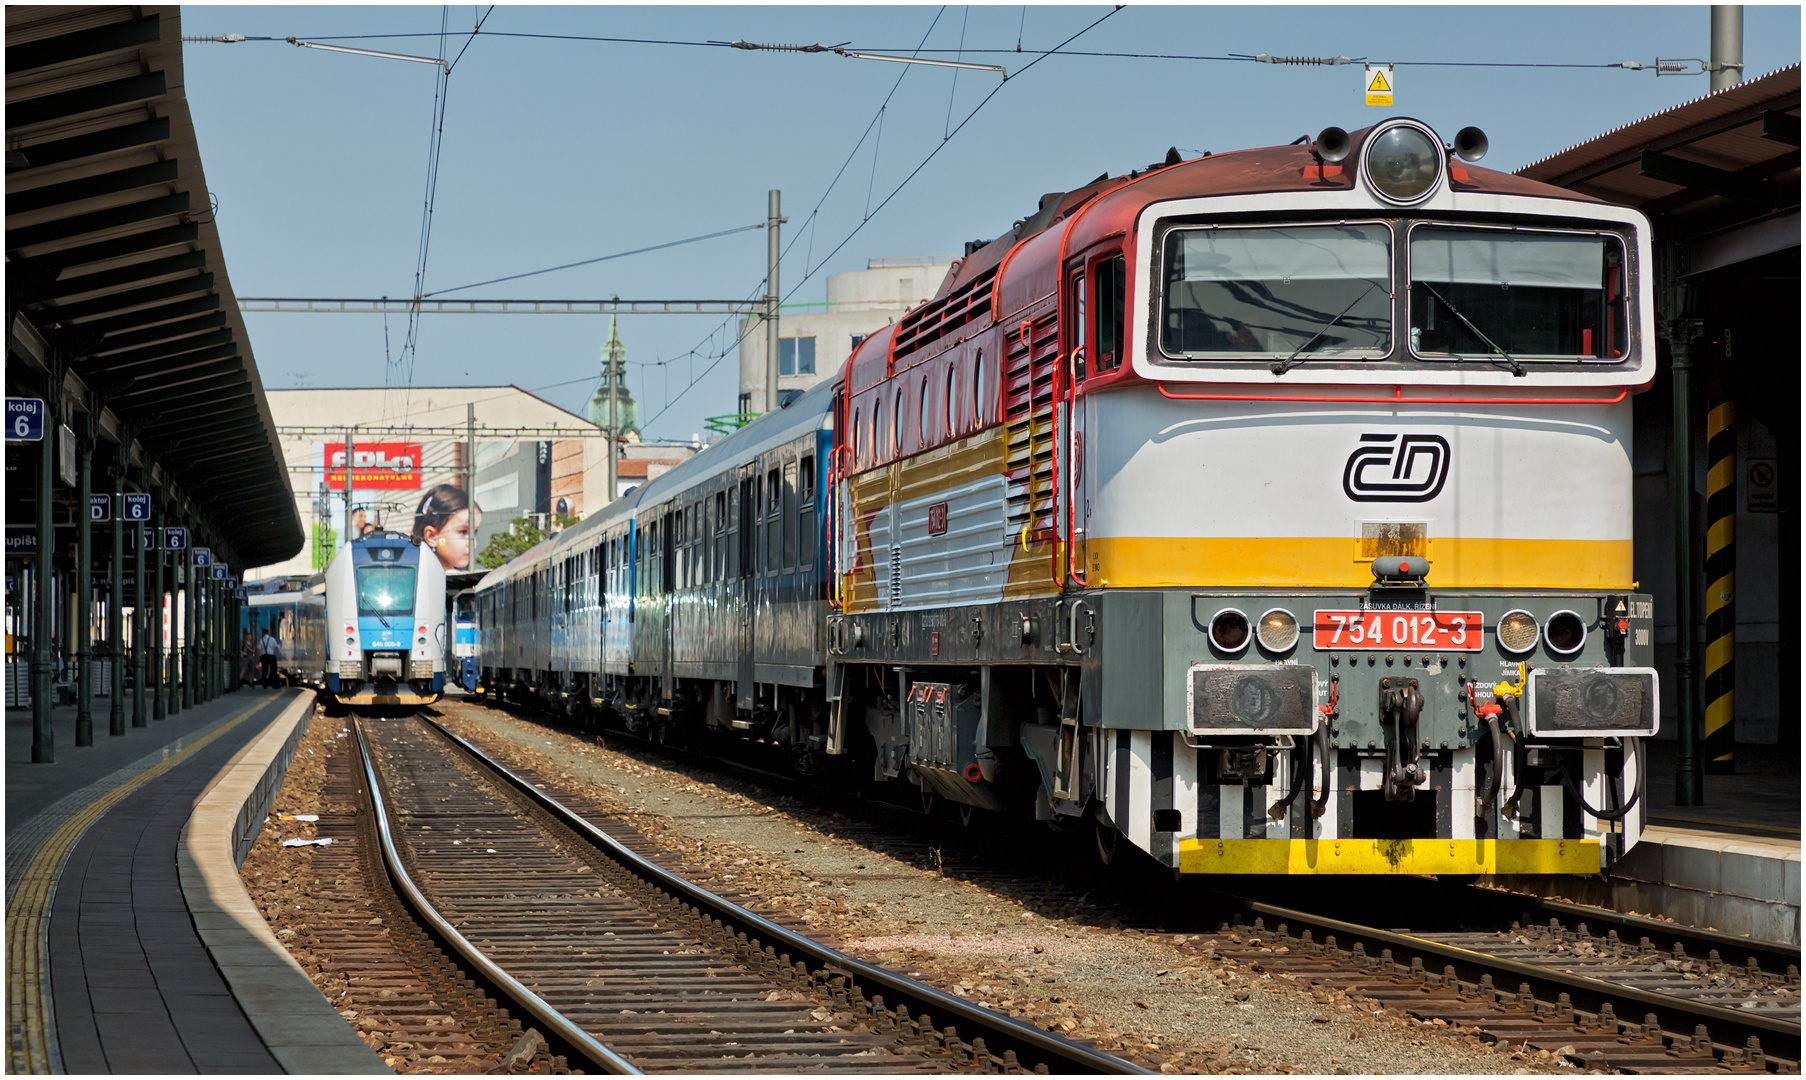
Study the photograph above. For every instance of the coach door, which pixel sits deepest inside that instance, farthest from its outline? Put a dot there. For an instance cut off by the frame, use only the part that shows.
(746, 573)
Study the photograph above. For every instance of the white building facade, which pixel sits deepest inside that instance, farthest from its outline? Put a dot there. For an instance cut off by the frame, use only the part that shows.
(815, 339)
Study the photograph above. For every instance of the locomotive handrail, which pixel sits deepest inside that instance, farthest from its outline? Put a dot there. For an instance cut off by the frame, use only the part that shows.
(1075, 390)
(1398, 397)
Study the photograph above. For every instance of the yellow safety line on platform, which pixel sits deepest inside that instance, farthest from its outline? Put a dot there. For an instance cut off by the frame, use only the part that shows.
(28, 914)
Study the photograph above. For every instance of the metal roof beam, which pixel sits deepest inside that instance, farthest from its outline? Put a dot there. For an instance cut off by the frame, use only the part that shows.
(87, 99)
(123, 276)
(111, 218)
(1713, 181)
(161, 397)
(165, 332)
(151, 316)
(69, 191)
(1781, 127)
(169, 352)
(83, 44)
(153, 384)
(106, 250)
(130, 137)
(188, 286)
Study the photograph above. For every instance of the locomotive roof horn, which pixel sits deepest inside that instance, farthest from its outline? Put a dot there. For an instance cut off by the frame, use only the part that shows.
(1470, 144)
(1332, 144)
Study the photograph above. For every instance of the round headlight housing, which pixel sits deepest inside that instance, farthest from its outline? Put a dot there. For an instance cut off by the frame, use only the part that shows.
(1517, 631)
(1229, 631)
(1278, 630)
(1403, 162)
(1565, 633)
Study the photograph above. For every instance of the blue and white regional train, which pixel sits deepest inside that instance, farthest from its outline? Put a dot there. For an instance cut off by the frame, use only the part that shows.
(371, 629)
(1269, 512)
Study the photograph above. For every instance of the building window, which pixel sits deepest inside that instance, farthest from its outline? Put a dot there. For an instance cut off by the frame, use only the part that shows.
(796, 356)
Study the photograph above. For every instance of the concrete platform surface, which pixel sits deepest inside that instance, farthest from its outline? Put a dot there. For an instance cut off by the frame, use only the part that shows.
(107, 969)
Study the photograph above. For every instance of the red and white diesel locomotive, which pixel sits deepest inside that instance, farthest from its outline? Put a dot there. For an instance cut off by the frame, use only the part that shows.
(1269, 512)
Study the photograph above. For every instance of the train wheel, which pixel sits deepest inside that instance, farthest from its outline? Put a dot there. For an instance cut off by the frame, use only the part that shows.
(1109, 841)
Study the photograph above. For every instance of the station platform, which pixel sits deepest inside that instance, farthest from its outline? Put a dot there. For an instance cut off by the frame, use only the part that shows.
(132, 947)
(1731, 864)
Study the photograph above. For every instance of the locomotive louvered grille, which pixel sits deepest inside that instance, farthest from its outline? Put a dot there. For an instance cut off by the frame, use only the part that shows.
(896, 577)
(936, 319)
(1028, 409)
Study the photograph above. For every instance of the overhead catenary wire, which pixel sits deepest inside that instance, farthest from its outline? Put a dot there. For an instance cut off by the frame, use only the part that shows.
(900, 186)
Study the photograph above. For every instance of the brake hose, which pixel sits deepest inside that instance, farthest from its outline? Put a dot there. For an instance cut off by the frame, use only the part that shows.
(1319, 802)
(1567, 781)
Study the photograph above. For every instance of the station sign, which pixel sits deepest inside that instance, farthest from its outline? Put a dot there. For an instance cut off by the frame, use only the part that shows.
(175, 539)
(219, 571)
(242, 595)
(135, 507)
(25, 419)
(21, 540)
(203, 557)
(147, 539)
(100, 508)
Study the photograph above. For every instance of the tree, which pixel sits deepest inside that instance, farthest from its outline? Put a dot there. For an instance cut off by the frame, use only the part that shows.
(522, 534)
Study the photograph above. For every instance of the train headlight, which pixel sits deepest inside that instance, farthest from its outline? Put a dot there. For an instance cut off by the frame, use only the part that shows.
(1403, 162)
(1278, 630)
(351, 641)
(1517, 631)
(1564, 633)
(1229, 631)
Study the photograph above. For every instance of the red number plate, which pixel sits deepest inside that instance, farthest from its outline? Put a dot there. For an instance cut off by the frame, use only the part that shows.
(1458, 631)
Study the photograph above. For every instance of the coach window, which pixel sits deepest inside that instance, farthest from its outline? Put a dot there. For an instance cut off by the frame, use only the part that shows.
(789, 518)
(721, 536)
(805, 498)
(1112, 278)
(774, 529)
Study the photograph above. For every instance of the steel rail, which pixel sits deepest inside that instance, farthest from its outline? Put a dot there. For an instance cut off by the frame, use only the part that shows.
(1585, 992)
(1001, 1033)
(556, 1023)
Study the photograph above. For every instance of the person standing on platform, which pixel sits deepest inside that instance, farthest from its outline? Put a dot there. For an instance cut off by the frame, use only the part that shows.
(266, 658)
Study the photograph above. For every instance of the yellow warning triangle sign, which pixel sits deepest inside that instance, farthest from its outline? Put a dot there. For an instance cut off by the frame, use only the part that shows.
(1379, 85)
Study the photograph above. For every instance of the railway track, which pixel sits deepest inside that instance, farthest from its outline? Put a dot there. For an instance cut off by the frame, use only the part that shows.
(625, 967)
(1605, 989)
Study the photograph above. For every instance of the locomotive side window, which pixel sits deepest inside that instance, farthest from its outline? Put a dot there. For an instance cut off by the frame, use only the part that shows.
(978, 390)
(1079, 347)
(1288, 290)
(922, 416)
(952, 371)
(853, 439)
(1112, 280)
(896, 422)
(1527, 294)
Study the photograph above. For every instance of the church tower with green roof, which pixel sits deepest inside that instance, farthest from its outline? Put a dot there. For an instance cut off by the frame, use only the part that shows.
(613, 384)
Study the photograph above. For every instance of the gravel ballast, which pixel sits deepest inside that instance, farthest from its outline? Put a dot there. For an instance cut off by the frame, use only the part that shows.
(1168, 1001)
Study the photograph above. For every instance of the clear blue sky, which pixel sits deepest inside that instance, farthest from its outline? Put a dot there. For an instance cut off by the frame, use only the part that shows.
(556, 151)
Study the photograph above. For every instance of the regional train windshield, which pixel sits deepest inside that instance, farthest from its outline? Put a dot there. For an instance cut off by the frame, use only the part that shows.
(1325, 291)
(386, 590)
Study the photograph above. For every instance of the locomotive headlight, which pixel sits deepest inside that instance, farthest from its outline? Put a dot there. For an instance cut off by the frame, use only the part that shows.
(1517, 631)
(1229, 630)
(1403, 163)
(351, 641)
(1278, 630)
(1564, 633)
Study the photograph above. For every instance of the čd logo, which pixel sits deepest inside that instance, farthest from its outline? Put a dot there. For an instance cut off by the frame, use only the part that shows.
(1397, 468)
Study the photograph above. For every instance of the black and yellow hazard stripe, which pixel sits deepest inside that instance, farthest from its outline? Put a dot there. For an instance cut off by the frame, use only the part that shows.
(1721, 586)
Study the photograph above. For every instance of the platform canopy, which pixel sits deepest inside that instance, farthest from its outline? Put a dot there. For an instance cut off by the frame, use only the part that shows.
(115, 279)
(1720, 173)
